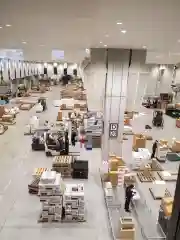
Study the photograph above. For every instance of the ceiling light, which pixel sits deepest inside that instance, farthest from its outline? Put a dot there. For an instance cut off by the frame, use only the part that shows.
(107, 35)
(144, 47)
(45, 65)
(0, 27)
(8, 25)
(55, 64)
(101, 42)
(178, 40)
(24, 42)
(105, 45)
(119, 23)
(123, 31)
(42, 45)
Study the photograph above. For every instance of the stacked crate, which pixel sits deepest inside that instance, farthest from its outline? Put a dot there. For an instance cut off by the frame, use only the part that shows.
(51, 190)
(63, 165)
(74, 202)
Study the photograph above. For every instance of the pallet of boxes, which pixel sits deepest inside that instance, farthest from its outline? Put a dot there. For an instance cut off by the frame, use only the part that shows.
(63, 165)
(51, 189)
(117, 170)
(74, 203)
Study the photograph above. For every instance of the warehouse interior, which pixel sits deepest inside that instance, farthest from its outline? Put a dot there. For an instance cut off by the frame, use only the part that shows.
(89, 105)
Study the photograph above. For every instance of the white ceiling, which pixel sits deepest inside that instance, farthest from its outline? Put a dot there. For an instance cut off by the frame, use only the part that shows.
(74, 25)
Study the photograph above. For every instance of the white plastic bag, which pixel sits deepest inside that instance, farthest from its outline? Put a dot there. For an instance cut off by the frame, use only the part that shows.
(39, 108)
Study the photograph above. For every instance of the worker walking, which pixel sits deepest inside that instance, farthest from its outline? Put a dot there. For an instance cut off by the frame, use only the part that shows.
(154, 148)
(73, 138)
(128, 197)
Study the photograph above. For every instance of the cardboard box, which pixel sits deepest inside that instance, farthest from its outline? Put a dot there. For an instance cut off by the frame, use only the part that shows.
(176, 146)
(113, 176)
(59, 117)
(126, 223)
(139, 141)
(178, 123)
(113, 164)
(127, 122)
(127, 234)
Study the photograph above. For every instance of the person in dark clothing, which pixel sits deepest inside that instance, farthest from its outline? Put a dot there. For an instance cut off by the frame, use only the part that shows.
(66, 143)
(128, 197)
(63, 214)
(154, 148)
(73, 138)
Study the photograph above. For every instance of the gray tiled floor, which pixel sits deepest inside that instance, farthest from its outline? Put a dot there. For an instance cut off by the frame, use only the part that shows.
(19, 211)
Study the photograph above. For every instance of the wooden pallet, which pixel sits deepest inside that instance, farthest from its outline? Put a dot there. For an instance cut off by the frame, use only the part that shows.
(62, 160)
(143, 178)
(166, 195)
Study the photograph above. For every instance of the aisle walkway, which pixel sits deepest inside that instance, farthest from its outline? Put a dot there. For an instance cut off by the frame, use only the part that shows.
(19, 211)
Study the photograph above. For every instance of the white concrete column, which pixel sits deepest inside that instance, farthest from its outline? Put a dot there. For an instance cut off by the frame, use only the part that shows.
(137, 80)
(115, 100)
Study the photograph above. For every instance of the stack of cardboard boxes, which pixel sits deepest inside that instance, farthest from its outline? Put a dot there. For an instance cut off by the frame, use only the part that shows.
(74, 202)
(63, 165)
(51, 190)
(126, 228)
(165, 213)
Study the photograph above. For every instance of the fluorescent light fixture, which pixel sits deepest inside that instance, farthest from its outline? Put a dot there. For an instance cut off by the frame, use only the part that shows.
(144, 47)
(65, 65)
(123, 31)
(119, 23)
(24, 42)
(55, 64)
(105, 45)
(101, 42)
(107, 35)
(1, 27)
(45, 64)
(8, 25)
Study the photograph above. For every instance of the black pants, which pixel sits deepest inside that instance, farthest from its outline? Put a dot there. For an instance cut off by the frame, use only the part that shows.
(73, 142)
(153, 154)
(127, 203)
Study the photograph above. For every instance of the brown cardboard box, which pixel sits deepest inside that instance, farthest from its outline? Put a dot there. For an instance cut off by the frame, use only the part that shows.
(2, 110)
(176, 146)
(126, 223)
(59, 117)
(178, 123)
(113, 176)
(76, 105)
(127, 122)
(167, 205)
(113, 164)
(163, 142)
(63, 107)
(120, 161)
(177, 105)
(7, 118)
(139, 141)
(127, 234)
